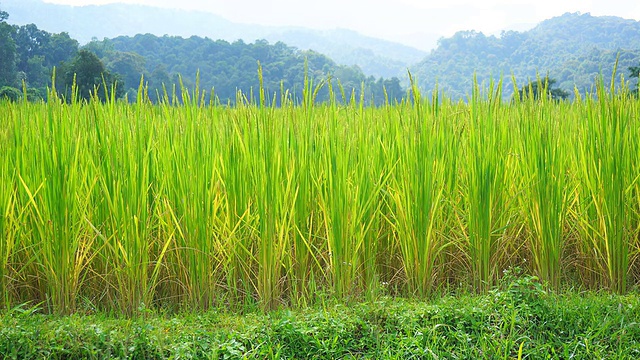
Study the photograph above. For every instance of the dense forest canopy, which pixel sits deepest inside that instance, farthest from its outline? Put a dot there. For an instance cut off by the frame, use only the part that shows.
(227, 67)
(377, 57)
(28, 55)
(574, 49)
(166, 63)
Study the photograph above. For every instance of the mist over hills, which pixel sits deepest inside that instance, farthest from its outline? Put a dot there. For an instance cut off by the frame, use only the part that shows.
(376, 57)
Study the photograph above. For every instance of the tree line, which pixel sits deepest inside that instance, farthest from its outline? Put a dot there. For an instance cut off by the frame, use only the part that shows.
(167, 65)
(225, 68)
(27, 55)
(573, 49)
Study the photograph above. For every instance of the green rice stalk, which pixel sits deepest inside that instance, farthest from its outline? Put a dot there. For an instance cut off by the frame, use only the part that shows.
(606, 179)
(418, 195)
(58, 190)
(544, 202)
(8, 211)
(486, 181)
(127, 199)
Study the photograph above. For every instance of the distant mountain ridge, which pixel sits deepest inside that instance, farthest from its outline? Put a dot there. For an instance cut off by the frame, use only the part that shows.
(224, 68)
(573, 48)
(380, 58)
(374, 56)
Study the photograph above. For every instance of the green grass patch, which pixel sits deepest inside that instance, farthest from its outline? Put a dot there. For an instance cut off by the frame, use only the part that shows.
(517, 319)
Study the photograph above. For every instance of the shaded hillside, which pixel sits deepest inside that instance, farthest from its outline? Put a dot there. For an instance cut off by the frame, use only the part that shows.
(573, 49)
(228, 67)
(375, 57)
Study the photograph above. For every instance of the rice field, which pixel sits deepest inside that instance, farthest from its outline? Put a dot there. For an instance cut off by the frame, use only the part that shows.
(184, 205)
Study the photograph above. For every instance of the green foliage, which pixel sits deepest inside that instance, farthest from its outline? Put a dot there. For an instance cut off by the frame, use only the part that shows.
(543, 162)
(130, 66)
(634, 72)
(376, 57)
(7, 55)
(38, 51)
(30, 42)
(224, 68)
(89, 76)
(574, 49)
(61, 48)
(27, 54)
(517, 291)
(516, 320)
(10, 93)
(34, 95)
(607, 185)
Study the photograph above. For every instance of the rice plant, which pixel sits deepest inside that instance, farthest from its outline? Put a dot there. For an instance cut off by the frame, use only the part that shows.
(187, 205)
(487, 178)
(425, 153)
(605, 167)
(7, 207)
(545, 199)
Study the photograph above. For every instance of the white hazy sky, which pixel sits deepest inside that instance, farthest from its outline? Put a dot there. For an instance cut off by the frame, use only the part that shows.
(398, 20)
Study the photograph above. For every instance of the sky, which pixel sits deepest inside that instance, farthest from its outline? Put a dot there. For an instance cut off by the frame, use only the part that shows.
(405, 21)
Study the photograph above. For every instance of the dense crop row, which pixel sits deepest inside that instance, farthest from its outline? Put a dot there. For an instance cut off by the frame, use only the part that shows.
(119, 206)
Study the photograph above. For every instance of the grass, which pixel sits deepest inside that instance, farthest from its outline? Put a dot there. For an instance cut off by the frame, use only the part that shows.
(127, 207)
(516, 319)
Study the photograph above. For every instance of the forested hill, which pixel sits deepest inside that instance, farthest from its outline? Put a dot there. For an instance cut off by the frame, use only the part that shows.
(29, 54)
(227, 67)
(376, 57)
(572, 49)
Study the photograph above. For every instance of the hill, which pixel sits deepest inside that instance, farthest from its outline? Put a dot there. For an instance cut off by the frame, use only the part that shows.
(29, 54)
(573, 49)
(375, 57)
(228, 67)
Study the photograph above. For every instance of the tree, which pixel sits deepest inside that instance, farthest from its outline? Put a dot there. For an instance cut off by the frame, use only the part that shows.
(61, 48)
(159, 81)
(10, 93)
(100, 48)
(31, 49)
(130, 66)
(7, 52)
(394, 89)
(90, 76)
(536, 88)
(635, 73)
(30, 42)
(36, 73)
